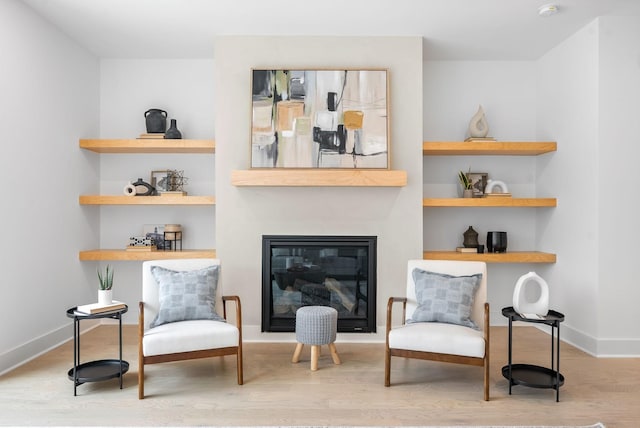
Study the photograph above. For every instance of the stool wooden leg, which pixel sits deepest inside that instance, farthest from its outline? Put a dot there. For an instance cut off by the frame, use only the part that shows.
(315, 352)
(296, 354)
(334, 353)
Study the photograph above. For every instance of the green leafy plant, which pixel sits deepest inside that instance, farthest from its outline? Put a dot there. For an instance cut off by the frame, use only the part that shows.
(106, 279)
(464, 180)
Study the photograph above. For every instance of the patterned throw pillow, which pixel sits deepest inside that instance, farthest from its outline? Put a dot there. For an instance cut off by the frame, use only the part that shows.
(186, 295)
(444, 298)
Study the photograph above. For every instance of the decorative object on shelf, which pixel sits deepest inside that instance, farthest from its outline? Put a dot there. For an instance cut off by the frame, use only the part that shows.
(156, 120)
(141, 243)
(105, 292)
(467, 187)
(467, 250)
(323, 118)
(155, 232)
(143, 188)
(523, 291)
(478, 126)
(496, 188)
(129, 189)
(173, 133)
(172, 237)
(497, 242)
(478, 183)
(470, 238)
(169, 181)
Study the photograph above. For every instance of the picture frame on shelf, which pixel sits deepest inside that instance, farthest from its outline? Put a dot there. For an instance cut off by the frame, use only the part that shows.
(478, 183)
(155, 232)
(320, 118)
(162, 180)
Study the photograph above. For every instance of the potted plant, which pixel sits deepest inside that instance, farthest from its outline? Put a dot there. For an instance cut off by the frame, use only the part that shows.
(467, 187)
(105, 292)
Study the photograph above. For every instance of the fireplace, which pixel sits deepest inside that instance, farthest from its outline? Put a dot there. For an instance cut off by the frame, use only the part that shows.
(336, 271)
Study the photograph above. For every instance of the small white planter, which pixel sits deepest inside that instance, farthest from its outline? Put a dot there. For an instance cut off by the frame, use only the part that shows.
(105, 297)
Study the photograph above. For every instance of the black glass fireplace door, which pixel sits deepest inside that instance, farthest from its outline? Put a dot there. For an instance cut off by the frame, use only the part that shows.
(319, 270)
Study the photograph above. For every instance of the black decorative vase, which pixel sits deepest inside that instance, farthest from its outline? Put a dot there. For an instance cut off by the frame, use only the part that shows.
(156, 121)
(470, 238)
(497, 242)
(173, 133)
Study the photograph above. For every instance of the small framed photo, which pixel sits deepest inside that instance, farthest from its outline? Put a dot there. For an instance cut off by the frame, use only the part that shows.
(478, 183)
(155, 232)
(162, 181)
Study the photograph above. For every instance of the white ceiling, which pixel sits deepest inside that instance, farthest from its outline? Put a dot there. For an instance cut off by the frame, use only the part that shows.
(451, 29)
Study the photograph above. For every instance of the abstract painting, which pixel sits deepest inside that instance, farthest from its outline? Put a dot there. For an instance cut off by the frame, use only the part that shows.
(320, 119)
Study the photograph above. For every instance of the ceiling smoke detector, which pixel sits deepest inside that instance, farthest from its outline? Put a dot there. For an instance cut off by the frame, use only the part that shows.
(547, 10)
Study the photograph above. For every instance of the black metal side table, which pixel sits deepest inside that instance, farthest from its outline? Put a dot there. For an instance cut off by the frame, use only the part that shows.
(531, 375)
(99, 370)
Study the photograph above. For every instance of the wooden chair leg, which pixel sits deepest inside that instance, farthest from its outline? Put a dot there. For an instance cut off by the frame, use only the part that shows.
(334, 353)
(296, 354)
(315, 353)
(387, 367)
(486, 379)
(141, 379)
(239, 366)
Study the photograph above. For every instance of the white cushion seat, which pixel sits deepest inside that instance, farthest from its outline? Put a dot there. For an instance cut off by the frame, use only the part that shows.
(187, 336)
(440, 338)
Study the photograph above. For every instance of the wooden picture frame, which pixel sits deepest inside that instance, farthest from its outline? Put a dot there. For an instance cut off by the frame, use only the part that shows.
(478, 183)
(320, 118)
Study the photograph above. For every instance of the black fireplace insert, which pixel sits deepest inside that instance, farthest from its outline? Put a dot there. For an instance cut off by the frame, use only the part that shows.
(336, 271)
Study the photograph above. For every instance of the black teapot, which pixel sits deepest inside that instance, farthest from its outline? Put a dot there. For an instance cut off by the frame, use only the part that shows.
(156, 120)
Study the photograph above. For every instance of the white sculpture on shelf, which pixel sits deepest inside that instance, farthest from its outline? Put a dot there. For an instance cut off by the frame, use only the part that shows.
(496, 186)
(478, 126)
(525, 307)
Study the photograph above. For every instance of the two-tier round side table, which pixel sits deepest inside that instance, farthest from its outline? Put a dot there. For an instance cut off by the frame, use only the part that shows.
(532, 375)
(99, 370)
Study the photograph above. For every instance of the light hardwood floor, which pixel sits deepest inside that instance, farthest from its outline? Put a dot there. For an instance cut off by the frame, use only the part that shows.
(277, 392)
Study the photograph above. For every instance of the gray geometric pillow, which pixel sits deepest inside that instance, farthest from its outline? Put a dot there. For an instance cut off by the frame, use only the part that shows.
(444, 298)
(186, 295)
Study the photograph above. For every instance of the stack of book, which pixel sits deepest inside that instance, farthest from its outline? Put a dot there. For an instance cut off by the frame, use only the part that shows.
(467, 249)
(497, 195)
(98, 308)
(152, 136)
(480, 139)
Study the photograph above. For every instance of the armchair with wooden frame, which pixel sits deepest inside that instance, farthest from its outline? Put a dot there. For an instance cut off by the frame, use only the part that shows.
(440, 341)
(187, 339)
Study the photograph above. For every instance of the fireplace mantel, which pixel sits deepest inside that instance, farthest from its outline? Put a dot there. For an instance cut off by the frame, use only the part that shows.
(319, 177)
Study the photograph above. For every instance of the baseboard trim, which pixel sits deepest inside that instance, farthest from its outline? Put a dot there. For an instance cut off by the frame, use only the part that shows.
(32, 349)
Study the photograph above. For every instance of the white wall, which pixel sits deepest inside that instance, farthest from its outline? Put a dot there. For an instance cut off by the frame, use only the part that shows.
(49, 88)
(128, 88)
(618, 153)
(244, 214)
(588, 90)
(568, 111)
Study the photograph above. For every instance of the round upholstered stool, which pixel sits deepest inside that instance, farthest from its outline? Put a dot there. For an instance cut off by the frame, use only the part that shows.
(316, 326)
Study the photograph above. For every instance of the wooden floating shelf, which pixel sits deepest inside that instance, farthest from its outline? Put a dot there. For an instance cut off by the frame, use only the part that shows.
(148, 146)
(319, 177)
(497, 148)
(146, 200)
(508, 257)
(124, 255)
(489, 202)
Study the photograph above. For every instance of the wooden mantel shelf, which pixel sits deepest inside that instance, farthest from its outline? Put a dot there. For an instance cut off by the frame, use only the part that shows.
(494, 148)
(319, 177)
(508, 257)
(145, 200)
(148, 146)
(124, 255)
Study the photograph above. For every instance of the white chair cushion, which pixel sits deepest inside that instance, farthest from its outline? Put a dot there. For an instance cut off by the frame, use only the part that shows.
(186, 336)
(440, 338)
